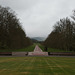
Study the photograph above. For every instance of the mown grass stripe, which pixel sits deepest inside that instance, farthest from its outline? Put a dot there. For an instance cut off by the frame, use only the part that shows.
(51, 69)
(37, 66)
(59, 66)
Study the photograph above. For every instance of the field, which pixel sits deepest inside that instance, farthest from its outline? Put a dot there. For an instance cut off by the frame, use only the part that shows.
(37, 66)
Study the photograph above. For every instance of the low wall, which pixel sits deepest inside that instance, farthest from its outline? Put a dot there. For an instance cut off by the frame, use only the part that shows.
(5, 53)
(13, 53)
(19, 53)
(62, 53)
(38, 53)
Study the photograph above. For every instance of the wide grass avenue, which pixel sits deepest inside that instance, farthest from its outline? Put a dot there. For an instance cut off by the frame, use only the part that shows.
(37, 66)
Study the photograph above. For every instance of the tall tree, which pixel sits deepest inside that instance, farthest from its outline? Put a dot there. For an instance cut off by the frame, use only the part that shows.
(11, 33)
(62, 35)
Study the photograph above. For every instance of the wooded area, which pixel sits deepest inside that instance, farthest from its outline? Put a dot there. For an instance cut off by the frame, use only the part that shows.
(12, 35)
(63, 35)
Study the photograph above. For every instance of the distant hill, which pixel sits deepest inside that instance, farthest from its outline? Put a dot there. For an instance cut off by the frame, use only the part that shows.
(38, 38)
(33, 40)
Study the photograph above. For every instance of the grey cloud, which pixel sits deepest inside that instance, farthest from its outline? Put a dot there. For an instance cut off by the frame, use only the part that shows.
(39, 16)
(19, 4)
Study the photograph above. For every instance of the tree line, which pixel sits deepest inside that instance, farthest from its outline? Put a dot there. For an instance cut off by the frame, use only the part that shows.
(63, 35)
(12, 35)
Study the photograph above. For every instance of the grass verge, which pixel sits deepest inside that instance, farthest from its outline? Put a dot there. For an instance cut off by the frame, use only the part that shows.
(27, 49)
(51, 49)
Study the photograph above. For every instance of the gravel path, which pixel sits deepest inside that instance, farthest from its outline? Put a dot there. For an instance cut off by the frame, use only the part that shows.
(37, 49)
(38, 52)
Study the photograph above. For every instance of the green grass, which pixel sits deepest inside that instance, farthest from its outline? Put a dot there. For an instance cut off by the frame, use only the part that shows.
(37, 66)
(52, 49)
(28, 49)
(57, 50)
(31, 48)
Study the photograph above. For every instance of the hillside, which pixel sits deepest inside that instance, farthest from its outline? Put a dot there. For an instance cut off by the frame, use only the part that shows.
(38, 38)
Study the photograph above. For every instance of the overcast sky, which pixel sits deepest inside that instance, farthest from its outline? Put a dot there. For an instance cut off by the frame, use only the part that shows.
(39, 16)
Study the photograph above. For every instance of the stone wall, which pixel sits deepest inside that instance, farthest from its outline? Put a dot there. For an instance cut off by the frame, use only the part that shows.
(38, 53)
(62, 53)
(19, 53)
(5, 53)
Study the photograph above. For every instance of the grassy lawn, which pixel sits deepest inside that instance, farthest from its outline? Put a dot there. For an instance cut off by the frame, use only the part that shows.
(31, 48)
(52, 50)
(28, 49)
(37, 66)
(57, 50)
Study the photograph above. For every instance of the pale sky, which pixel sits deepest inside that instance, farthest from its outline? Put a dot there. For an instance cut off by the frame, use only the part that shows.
(39, 16)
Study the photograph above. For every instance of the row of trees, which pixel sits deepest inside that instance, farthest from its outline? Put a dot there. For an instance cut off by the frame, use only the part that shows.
(63, 35)
(11, 33)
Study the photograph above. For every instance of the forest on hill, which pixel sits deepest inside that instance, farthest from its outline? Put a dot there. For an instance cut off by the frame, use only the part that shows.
(12, 35)
(63, 35)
